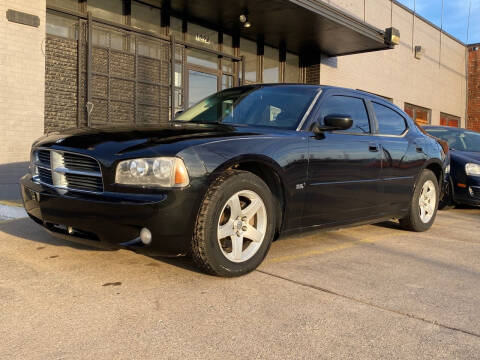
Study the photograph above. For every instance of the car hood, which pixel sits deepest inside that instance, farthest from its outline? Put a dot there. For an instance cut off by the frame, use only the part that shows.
(465, 156)
(173, 136)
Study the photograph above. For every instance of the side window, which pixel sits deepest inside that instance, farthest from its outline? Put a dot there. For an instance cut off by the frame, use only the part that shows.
(347, 105)
(389, 121)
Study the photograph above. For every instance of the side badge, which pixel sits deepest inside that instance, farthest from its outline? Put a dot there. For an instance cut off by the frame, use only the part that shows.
(300, 186)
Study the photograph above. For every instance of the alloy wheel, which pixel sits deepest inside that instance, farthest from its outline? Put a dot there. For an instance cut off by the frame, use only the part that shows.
(242, 226)
(427, 201)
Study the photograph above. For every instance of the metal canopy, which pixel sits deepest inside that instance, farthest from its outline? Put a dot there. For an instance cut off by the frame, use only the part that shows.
(303, 26)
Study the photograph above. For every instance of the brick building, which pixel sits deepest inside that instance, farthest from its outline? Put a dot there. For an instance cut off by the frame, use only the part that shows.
(473, 105)
(138, 62)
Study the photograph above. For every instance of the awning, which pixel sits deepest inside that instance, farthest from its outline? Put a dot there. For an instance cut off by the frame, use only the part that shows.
(303, 26)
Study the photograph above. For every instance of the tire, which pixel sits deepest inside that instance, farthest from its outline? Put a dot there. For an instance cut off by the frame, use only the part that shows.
(418, 219)
(447, 203)
(221, 214)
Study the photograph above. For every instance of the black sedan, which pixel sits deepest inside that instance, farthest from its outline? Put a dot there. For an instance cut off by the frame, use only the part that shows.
(463, 185)
(235, 171)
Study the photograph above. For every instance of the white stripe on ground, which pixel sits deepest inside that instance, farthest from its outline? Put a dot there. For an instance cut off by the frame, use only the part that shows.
(11, 212)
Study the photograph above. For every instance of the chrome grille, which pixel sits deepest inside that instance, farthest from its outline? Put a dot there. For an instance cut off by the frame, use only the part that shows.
(67, 170)
(45, 175)
(79, 162)
(44, 157)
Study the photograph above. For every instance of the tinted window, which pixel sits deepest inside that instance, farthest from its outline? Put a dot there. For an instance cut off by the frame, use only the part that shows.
(275, 106)
(389, 121)
(346, 105)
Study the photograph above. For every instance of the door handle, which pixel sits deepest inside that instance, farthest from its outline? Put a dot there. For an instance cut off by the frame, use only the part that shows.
(373, 147)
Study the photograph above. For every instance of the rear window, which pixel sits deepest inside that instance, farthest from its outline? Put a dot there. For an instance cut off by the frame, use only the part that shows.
(389, 121)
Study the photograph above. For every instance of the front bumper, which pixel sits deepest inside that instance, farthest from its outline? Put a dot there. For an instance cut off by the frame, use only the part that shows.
(113, 220)
(470, 195)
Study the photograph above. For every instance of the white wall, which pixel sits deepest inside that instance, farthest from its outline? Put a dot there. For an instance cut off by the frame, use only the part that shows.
(437, 81)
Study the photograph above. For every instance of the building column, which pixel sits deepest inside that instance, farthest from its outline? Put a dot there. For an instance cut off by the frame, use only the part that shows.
(473, 94)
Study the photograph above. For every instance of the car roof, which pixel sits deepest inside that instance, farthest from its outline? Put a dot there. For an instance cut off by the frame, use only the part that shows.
(326, 87)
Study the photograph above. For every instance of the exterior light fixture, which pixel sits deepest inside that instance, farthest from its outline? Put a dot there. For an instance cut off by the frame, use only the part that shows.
(419, 52)
(243, 19)
(392, 36)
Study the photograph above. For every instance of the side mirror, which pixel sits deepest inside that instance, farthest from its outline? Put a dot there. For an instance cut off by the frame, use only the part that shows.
(334, 122)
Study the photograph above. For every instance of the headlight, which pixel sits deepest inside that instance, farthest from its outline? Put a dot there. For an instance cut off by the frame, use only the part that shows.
(447, 169)
(472, 169)
(160, 171)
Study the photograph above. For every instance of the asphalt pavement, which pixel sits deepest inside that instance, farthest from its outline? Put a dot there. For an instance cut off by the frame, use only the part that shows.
(370, 292)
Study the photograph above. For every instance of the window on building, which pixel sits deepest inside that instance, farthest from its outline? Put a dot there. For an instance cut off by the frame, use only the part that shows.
(146, 17)
(419, 114)
(64, 4)
(355, 107)
(61, 25)
(292, 68)
(271, 65)
(176, 27)
(115, 40)
(111, 10)
(449, 120)
(249, 50)
(202, 36)
(389, 121)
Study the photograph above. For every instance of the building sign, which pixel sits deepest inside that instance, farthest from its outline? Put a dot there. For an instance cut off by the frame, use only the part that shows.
(23, 18)
(204, 39)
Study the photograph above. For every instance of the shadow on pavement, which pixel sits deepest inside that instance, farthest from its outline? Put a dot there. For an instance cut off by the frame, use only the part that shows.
(26, 229)
(9, 175)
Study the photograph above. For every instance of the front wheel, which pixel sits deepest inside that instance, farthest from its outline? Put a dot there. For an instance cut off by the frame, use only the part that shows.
(235, 225)
(423, 208)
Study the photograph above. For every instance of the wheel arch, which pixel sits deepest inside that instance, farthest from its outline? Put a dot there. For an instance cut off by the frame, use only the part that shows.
(437, 168)
(266, 169)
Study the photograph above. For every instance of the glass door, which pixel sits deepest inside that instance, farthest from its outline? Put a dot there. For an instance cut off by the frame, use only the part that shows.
(200, 85)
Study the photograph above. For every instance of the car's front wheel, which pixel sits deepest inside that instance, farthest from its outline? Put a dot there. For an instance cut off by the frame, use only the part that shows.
(235, 225)
(423, 208)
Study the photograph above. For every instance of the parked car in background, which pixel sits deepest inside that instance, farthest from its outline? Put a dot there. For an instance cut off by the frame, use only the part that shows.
(463, 185)
(234, 172)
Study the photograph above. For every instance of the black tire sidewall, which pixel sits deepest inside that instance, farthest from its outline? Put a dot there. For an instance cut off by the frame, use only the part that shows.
(416, 222)
(217, 260)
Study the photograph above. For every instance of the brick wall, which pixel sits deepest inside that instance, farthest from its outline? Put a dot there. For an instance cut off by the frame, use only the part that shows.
(22, 79)
(60, 83)
(474, 87)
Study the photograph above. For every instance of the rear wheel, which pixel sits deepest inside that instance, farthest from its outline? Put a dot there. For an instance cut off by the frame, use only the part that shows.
(235, 225)
(423, 208)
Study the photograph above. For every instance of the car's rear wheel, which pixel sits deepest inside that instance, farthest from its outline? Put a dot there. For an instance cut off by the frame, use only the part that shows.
(423, 208)
(235, 225)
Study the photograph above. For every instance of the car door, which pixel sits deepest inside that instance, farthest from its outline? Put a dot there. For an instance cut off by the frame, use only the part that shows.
(344, 166)
(402, 155)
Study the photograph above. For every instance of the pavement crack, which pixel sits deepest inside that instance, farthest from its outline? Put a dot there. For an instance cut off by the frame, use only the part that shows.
(412, 316)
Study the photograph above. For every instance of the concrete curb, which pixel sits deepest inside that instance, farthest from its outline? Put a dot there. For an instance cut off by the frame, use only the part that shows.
(8, 212)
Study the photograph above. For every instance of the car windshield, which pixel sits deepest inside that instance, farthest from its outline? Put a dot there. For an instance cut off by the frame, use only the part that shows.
(463, 140)
(274, 106)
